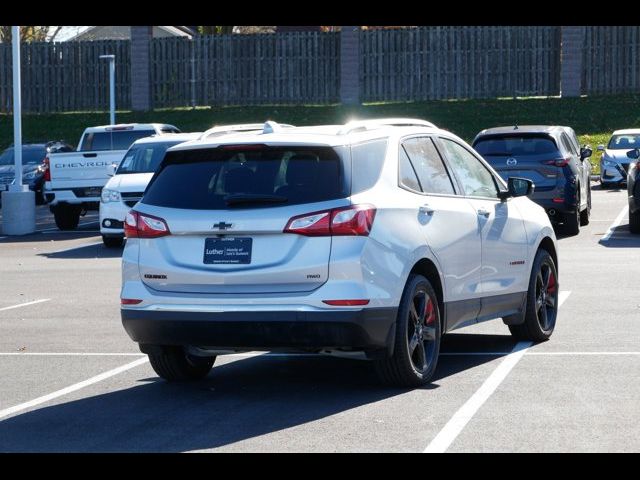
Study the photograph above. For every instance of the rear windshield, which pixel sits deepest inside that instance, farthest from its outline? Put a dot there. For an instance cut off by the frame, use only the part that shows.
(118, 140)
(144, 158)
(219, 179)
(624, 142)
(30, 156)
(515, 145)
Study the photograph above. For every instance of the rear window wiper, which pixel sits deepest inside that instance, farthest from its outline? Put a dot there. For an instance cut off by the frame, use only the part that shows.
(237, 198)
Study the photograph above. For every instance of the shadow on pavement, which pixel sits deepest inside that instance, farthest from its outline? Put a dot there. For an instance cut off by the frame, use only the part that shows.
(97, 250)
(621, 237)
(240, 400)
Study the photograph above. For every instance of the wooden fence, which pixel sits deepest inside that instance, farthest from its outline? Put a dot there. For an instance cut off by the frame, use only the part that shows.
(304, 67)
(289, 68)
(67, 76)
(459, 62)
(611, 62)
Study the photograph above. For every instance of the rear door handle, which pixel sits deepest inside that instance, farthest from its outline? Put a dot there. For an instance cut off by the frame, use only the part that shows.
(428, 209)
(484, 212)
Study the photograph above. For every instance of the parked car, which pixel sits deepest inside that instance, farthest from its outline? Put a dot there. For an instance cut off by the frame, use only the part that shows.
(74, 180)
(372, 238)
(33, 155)
(614, 163)
(549, 156)
(130, 180)
(633, 190)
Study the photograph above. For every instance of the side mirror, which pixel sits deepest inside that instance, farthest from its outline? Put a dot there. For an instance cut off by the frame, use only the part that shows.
(601, 148)
(111, 169)
(635, 153)
(518, 187)
(585, 152)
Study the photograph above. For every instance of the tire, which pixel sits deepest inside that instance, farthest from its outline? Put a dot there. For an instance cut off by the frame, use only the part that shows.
(414, 366)
(67, 216)
(541, 311)
(634, 222)
(175, 365)
(572, 220)
(112, 242)
(586, 213)
(40, 199)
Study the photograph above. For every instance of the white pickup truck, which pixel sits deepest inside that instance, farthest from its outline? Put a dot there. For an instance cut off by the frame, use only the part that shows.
(74, 180)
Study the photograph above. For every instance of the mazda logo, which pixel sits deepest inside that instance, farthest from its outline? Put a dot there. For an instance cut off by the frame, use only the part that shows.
(511, 162)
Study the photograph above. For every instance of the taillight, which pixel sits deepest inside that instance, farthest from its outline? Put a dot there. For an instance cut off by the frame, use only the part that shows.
(47, 171)
(354, 220)
(560, 162)
(141, 225)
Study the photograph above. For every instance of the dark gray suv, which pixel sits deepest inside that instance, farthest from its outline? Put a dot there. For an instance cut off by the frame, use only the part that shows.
(552, 158)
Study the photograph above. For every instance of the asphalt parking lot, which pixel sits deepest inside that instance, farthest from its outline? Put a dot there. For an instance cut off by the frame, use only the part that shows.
(71, 380)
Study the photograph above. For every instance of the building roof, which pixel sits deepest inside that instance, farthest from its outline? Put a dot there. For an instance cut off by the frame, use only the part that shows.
(176, 31)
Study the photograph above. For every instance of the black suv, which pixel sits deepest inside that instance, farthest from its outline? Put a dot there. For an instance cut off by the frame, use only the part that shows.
(33, 155)
(552, 158)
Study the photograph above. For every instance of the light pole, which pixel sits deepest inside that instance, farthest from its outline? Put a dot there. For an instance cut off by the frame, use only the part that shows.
(18, 204)
(112, 87)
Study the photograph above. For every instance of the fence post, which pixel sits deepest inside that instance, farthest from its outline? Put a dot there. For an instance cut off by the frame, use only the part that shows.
(571, 45)
(350, 65)
(140, 68)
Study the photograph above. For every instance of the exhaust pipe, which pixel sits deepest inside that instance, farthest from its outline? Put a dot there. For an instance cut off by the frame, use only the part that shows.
(552, 212)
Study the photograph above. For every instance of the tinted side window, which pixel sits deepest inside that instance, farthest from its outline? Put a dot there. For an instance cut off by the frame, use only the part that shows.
(408, 177)
(428, 165)
(367, 160)
(476, 179)
(566, 143)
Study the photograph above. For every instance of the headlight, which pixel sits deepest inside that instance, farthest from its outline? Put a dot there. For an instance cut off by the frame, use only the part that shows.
(109, 196)
(608, 163)
(30, 175)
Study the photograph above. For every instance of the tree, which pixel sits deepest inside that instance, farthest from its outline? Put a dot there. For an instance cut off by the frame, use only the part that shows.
(30, 33)
(215, 30)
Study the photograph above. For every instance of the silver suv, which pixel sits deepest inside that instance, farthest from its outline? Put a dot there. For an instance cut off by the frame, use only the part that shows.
(372, 238)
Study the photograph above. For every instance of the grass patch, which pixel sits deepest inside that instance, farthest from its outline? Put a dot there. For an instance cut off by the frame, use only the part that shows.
(593, 118)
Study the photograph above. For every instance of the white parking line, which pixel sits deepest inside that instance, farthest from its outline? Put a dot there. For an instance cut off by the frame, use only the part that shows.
(72, 388)
(583, 353)
(84, 224)
(615, 224)
(456, 424)
(68, 354)
(24, 304)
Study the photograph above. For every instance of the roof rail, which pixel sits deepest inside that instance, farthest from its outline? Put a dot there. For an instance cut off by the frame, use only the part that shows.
(383, 122)
(224, 129)
(241, 127)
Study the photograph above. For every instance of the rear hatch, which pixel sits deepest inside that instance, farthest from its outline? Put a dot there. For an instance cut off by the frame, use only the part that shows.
(226, 209)
(527, 155)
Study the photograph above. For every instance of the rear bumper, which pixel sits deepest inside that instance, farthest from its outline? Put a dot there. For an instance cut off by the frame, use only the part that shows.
(365, 329)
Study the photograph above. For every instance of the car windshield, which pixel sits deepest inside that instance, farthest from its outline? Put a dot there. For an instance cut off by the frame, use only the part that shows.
(624, 142)
(515, 145)
(30, 156)
(144, 158)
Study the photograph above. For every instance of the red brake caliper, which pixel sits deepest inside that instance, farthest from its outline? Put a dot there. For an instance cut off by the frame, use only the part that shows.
(429, 312)
(551, 288)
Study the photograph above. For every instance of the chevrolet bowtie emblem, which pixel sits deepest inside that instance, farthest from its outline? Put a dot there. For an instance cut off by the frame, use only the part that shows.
(222, 225)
